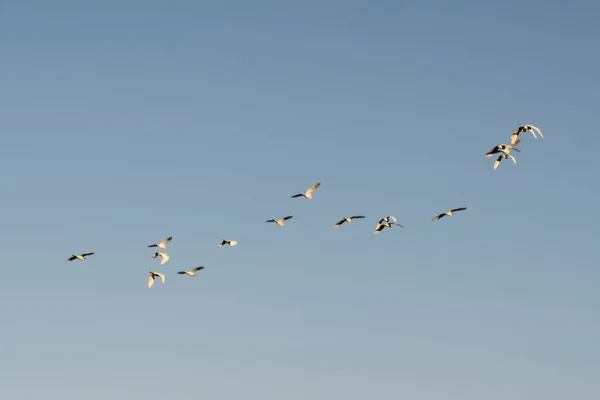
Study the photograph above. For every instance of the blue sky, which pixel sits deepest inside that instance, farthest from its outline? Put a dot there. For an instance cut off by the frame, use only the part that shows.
(124, 122)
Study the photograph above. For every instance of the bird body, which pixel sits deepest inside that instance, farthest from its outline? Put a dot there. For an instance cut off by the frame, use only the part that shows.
(448, 213)
(280, 221)
(308, 193)
(154, 275)
(79, 257)
(229, 242)
(503, 148)
(348, 220)
(191, 272)
(163, 244)
(165, 257)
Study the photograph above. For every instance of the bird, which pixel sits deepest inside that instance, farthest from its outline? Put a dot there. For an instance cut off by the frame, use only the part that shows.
(449, 213)
(280, 220)
(525, 128)
(503, 157)
(348, 220)
(380, 227)
(503, 148)
(308, 193)
(79, 257)
(387, 219)
(191, 272)
(163, 244)
(165, 257)
(154, 275)
(229, 242)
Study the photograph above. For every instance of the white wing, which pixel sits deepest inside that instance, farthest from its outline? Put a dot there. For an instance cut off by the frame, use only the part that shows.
(313, 188)
(232, 242)
(165, 258)
(162, 277)
(150, 281)
(513, 158)
(538, 130)
(393, 218)
(498, 160)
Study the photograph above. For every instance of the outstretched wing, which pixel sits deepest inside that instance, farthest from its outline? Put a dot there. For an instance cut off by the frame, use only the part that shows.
(87, 254)
(232, 242)
(71, 258)
(313, 188)
(357, 216)
(538, 130)
(339, 223)
(198, 268)
(297, 195)
(271, 220)
(459, 209)
(181, 272)
(162, 277)
(438, 217)
(150, 281)
(497, 162)
(288, 217)
(165, 258)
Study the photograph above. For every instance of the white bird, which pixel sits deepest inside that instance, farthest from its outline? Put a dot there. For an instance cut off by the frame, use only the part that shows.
(503, 148)
(449, 213)
(79, 257)
(280, 220)
(163, 244)
(154, 275)
(165, 257)
(526, 128)
(308, 193)
(229, 242)
(384, 225)
(348, 220)
(504, 157)
(191, 272)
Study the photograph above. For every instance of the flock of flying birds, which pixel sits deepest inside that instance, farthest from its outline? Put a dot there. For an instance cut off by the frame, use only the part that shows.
(385, 222)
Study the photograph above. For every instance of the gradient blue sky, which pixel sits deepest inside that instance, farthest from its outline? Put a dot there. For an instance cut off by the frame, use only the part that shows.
(124, 122)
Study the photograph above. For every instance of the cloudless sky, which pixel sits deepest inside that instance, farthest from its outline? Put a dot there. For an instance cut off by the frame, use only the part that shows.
(124, 122)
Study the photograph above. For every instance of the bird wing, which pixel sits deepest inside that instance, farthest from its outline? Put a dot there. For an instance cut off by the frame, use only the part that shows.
(514, 137)
(71, 258)
(538, 130)
(313, 188)
(459, 209)
(165, 258)
(181, 272)
(87, 254)
(232, 242)
(491, 152)
(224, 241)
(271, 220)
(297, 195)
(513, 158)
(162, 277)
(153, 245)
(400, 225)
(288, 217)
(357, 216)
(150, 281)
(198, 268)
(393, 218)
(438, 217)
(339, 223)
(498, 161)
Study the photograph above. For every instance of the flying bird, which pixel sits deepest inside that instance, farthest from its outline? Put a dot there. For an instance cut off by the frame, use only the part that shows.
(229, 242)
(503, 148)
(79, 257)
(165, 257)
(163, 244)
(154, 275)
(526, 128)
(191, 272)
(504, 157)
(388, 219)
(380, 227)
(308, 193)
(348, 220)
(449, 213)
(280, 220)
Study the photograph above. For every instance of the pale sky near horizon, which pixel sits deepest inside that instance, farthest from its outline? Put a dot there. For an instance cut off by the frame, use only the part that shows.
(124, 122)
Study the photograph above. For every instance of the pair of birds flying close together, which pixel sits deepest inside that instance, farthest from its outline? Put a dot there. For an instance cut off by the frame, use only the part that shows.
(505, 149)
(307, 194)
(154, 275)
